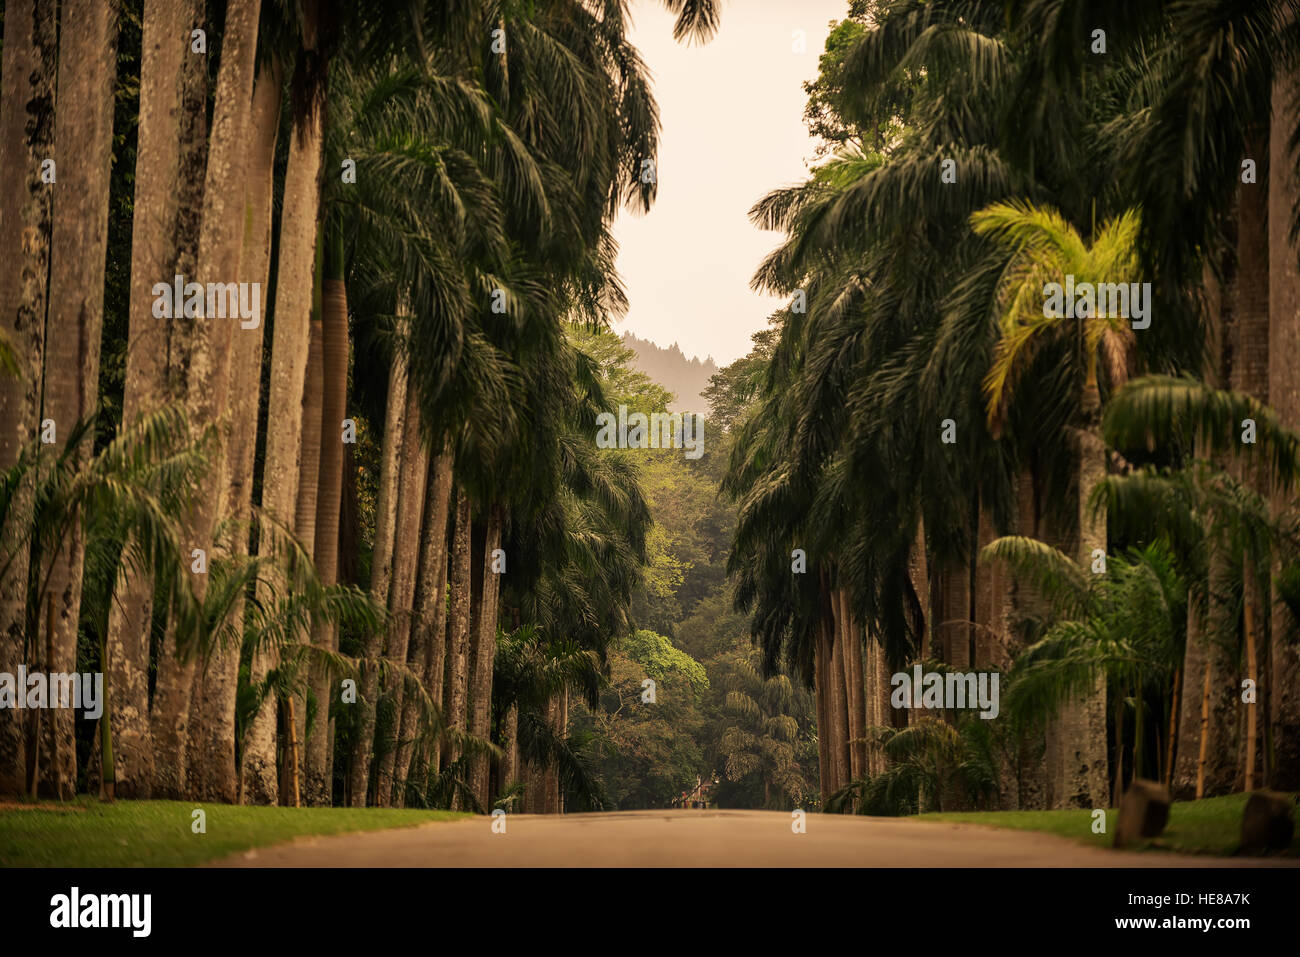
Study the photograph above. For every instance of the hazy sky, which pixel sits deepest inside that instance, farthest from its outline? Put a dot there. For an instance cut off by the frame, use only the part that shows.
(732, 115)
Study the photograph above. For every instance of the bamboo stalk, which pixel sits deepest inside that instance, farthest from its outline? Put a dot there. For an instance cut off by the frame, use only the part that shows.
(55, 783)
(1119, 750)
(1251, 713)
(293, 754)
(107, 772)
(1205, 728)
(1173, 724)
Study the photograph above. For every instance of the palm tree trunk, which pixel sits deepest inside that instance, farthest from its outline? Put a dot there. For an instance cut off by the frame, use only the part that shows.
(203, 359)
(483, 653)
(1082, 778)
(534, 788)
(304, 522)
(821, 696)
(870, 761)
(508, 769)
(26, 138)
(839, 713)
(1174, 705)
(212, 753)
(564, 736)
(429, 594)
(170, 162)
(334, 353)
(919, 571)
(401, 594)
(289, 349)
(955, 626)
(1252, 729)
(381, 566)
(551, 776)
(854, 687)
(433, 616)
(1283, 719)
(1250, 374)
(458, 585)
(83, 145)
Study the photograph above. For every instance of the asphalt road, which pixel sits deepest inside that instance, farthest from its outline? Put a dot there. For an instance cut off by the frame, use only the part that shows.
(715, 838)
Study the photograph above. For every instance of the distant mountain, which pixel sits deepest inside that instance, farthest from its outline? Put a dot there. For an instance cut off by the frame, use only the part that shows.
(685, 378)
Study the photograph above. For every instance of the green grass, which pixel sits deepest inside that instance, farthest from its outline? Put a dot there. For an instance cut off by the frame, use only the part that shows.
(1209, 826)
(86, 833)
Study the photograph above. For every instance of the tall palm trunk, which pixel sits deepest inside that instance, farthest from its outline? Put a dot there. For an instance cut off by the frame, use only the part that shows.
(1207, 751)
(955, 626)
(216, 777)
(1206, 758)
(839, 717)
(204, 357)
(381, 566)
(334, 352)
(551, 776)
(1284, 394)
(304, 522)
(855, 680)
(401, 594)
(1032, 757)
(84, 147)
(289, 350)
(483, 653)
(918, 568)
(458, 584)
(508, 768)
(26, 138)
(821, 697)
(170, 160)
(1250, 374)
(429, 598)
(1201, 652)
(991, 602)
(1080, 764)
(432, 612)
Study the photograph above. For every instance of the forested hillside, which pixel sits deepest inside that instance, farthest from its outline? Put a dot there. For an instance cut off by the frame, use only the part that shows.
(685, 378)
(713, 713)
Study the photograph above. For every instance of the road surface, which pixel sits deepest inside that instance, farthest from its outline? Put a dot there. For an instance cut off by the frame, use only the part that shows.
(715, 838)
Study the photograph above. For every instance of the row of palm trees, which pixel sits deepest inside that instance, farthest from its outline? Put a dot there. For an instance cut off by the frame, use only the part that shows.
(1098, 507)
(423, 192)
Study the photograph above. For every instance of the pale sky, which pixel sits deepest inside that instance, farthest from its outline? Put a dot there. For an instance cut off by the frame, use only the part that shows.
(732, 115)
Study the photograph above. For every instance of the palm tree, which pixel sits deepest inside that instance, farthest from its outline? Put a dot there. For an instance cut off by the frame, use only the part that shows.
(411, 480)
(139, 483)
(1206, 102)
(458, 620)
(1284, 395)
(1168, 412)
(291, 345)
(334, 375)
(763, 736)
(428, 621)
(1047, 249)
(169, 182)
(206, 359)
(381, 566)
(212, 751)
(87, 70)
(26, 139)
